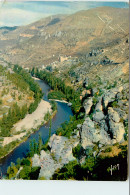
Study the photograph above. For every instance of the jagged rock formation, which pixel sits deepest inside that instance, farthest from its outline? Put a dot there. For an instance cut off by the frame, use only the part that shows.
(60, 153)
(47, 163)
(116, 127)
(105, 126)
(61, 147)
(91, 135)
(98, 116)
(87, 105)
(110, 96)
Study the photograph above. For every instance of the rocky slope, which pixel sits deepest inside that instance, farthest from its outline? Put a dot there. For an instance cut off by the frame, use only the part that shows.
(11, 92)
(105, 127)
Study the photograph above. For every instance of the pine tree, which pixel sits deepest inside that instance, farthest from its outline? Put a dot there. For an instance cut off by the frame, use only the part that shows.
(35, 146)
(50, 128)
(40, 143)
(31, 149)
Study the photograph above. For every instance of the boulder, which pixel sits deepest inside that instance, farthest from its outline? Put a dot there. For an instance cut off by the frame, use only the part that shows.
(99, 106)
(110, 96)
(103, 125)
(70, 104)
(61, 147)
(113, 115)
(98, 116)
(60, 153)
(36, 161)
(104, 137)
(87, 105)
(117, 130)
(90, 135)
(48, 165)
(107, 98)
(116, 127)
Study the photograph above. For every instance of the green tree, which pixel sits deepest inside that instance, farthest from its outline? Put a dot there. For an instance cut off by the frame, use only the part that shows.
(50, 128)
(31, 149)
(40, 144)
(25, 172)
(12, 171)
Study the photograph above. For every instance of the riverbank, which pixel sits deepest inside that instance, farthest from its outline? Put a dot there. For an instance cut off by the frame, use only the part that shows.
(35, 119)
(12, 145)
(36, 78)
(31, 121)
(19, 148)
(63, 101)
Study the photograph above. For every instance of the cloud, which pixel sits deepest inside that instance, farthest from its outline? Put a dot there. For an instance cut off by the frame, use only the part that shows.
(14, 16)
(22, 13)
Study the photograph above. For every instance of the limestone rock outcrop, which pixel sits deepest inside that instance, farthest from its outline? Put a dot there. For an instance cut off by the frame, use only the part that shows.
(116, 127)
(87, 105)
(60, 153)
(90, 134)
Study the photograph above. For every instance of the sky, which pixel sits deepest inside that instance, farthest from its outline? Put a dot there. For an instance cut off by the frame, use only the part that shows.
(25, 12)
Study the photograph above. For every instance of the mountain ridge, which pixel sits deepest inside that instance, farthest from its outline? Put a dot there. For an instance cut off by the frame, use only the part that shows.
(38, 43)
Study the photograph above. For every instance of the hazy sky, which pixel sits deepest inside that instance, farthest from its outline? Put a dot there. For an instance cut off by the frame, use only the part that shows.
(22, 13)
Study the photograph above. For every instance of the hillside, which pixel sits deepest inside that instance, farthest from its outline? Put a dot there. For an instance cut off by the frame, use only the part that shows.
(13, 89)
(42, 42)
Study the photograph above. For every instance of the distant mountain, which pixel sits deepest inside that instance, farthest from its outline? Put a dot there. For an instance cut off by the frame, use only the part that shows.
(43, 41)
(8, 28)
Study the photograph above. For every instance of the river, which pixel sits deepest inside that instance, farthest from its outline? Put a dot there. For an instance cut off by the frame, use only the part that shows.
(63, 114)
